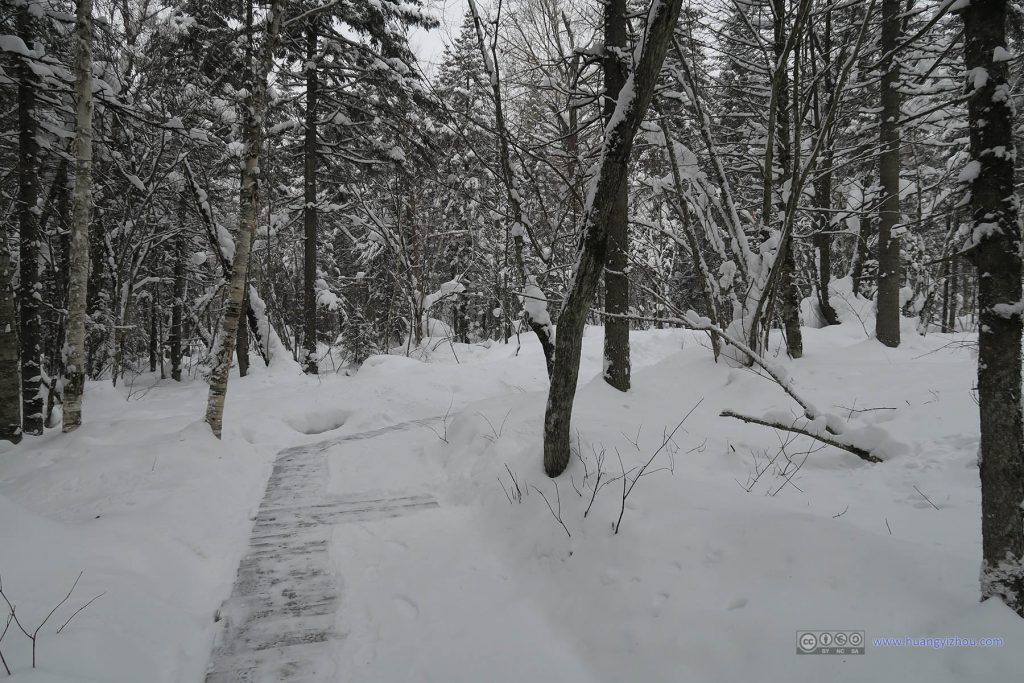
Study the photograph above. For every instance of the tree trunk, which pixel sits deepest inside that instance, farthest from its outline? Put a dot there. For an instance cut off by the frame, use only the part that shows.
(252, 136)
(860, 248)
(10, 377)
(309, 212)
(788, 292)
(823, 247)
(954, 292)
(994, 247)
(175, 335)
(947, 269)
(29, 285)
(55, 351)
(790, 296)
(611, 171)
(154, 342)
(541, 325)
(242, 336)
(781, 273)
(79, 257)
(823, 182)
(887, 325)
(616, 279)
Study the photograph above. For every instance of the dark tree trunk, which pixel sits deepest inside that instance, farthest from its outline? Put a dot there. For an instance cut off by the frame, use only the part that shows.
(887, 325)
(823, 247)
(242, 339)
(611, 171)
(61, 191)
(175, 335)
(616, 279)
(823, 183)
(995, 250)
(954, 292)
(10, 377)
(154, 342)
(29, 285)
(790, 296)
(309, 212)
(788, 292)
(947, 270)
(861, 252)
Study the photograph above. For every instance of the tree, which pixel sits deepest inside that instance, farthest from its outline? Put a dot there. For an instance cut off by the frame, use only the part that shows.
(78, 257)
(994, 246)
(620, 131)
(535, 311)
(309, 211)
(10, 377)
(887, 326)
(29, 286)
(616, 274)
(254, 112)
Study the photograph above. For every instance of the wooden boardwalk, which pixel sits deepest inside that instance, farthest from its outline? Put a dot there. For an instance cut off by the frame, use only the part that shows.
(279, 623)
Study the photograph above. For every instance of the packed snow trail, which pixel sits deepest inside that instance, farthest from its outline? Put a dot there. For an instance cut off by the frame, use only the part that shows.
(326, 593)
(279, 623)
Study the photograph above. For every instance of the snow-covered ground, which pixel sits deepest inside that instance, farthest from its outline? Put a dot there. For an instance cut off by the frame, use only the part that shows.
(712, 574)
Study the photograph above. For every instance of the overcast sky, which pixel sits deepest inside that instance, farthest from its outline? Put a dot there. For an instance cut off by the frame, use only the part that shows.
(429, 45)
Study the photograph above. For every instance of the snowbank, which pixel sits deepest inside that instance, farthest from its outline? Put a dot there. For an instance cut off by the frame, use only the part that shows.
(727, 546)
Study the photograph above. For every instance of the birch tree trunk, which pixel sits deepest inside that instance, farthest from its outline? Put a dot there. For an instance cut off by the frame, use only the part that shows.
(309, 211)
(994, 247)
(79, 257)
(611, 171)
(616, 280)
(252, 136)
(887, 323)
(29, 286)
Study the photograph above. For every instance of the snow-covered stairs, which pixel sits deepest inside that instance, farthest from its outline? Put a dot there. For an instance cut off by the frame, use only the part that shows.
(279, 623)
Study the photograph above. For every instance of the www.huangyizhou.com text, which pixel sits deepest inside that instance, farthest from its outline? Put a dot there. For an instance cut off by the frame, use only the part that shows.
(936, 643)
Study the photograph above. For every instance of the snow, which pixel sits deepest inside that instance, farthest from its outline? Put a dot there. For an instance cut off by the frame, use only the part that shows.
(437, 329)
(136, 182)
(978, 76)
(1001, 54)
(447, 291)
(10, 43)
(535, 303)
(325, 298)
(970, 172)
(714, 569)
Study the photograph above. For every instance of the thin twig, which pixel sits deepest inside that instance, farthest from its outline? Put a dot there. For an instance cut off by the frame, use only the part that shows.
(556, 515)
(926, 498)
(79, 610)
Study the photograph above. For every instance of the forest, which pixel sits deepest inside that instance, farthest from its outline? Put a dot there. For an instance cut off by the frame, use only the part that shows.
(288, 284)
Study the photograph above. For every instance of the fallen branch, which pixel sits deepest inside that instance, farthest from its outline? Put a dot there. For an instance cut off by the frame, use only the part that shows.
(823, 438)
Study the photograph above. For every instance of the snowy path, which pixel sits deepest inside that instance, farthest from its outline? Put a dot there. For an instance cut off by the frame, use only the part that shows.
(279, 623)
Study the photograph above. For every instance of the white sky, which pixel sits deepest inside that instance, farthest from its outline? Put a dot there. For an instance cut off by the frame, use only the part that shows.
(429, 45)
